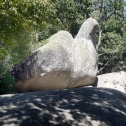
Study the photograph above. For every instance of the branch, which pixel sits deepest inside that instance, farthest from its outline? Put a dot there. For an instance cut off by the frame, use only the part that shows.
(110, 15)
(101, 54)
(106, 64)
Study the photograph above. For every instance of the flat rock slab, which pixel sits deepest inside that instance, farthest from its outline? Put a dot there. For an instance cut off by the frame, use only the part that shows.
(115, 80)
(74, 107)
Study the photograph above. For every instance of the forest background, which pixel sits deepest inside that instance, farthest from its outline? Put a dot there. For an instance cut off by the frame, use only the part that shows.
(26, 25)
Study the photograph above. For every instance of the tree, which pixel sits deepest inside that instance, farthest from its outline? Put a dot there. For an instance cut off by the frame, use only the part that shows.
(19, 21)
(71, 14)
(112, 42)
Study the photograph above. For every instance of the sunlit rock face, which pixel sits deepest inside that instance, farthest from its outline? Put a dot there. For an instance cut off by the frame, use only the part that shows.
(64, 62)
(115, 80)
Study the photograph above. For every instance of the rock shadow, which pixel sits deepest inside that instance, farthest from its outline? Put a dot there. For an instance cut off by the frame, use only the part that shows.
(74, 107)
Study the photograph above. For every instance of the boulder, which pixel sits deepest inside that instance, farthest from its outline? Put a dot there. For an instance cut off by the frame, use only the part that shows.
(115, 80)
(64, 62)
(74, 107)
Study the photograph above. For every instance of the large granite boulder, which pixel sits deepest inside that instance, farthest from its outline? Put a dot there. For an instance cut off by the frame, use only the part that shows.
(115, 80)
(63, 62)
(73, 107)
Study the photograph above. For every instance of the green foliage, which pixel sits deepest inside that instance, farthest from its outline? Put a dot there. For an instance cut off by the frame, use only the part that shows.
(111, 16)
(71, 14)
(68, 15)
(7, 84)
(19, 21)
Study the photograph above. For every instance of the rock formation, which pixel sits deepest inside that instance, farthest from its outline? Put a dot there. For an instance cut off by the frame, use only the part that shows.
(115, 80)
(73, 107)
(63, 62)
